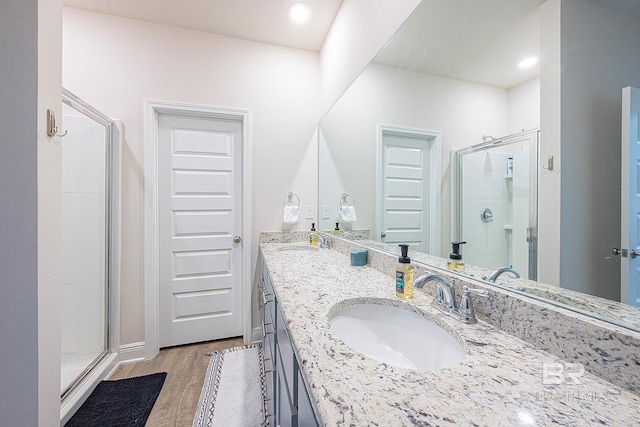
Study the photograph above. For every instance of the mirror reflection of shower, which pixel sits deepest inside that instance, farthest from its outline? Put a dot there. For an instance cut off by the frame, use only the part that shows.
(495, 199)
(86, 177)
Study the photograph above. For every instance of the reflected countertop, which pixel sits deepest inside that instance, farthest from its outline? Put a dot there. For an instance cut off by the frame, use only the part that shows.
(499, 382)
(607, 310)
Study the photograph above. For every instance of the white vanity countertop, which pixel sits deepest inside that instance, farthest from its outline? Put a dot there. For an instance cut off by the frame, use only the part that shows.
(498, 383)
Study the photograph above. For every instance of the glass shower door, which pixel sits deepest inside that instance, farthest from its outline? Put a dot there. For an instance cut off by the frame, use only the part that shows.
(85, 240)
(496, 203)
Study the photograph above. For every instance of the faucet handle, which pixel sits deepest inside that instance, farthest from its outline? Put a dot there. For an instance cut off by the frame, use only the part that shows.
(439, 298)
(466, 310)
(480, 292)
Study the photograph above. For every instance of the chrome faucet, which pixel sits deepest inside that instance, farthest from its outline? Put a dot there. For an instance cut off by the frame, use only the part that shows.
(348, 234)
(324, 240)
(445, 298)
(493, 276)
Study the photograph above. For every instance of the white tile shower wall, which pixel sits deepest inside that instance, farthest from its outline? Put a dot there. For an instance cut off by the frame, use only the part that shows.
(83, 235)
(484, 186)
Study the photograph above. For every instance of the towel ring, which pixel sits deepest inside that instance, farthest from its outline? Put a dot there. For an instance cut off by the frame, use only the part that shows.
(344, 202)
(289, 197)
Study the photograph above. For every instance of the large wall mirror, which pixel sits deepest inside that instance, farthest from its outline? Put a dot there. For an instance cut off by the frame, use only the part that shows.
(449, 80)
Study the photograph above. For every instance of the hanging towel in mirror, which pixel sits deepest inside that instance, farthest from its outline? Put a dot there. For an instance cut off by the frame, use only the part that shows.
(348, 213)
(290, 214)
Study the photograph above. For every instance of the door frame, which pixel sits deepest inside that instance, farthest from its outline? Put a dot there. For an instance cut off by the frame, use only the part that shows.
(152, 109)
(435, 177)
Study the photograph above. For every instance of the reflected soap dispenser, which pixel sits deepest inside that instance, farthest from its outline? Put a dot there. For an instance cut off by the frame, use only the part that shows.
(455, 257)
(404, 274)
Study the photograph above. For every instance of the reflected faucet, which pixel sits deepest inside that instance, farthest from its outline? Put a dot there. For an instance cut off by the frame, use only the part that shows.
(493, 276)
(347, 234)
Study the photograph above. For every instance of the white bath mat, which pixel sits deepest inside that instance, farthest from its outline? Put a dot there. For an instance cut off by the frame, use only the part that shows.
(234, 389)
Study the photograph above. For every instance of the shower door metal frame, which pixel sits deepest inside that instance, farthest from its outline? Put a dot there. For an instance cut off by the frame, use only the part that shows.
(108, 356)
(534, 161)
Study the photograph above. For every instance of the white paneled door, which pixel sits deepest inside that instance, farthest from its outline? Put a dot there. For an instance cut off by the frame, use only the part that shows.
(405, 188)
(630, 194)
(199, 222)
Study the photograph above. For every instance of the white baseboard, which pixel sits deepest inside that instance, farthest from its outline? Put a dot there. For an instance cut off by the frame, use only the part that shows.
(256, 335)
(133, 352)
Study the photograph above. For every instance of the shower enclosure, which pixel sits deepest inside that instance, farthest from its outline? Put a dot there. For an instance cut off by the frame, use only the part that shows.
(495, 202)
(89, 243)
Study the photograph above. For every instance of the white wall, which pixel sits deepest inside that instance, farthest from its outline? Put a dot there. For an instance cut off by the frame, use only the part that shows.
(462, 111)
(49, 212)
(524, 106)
(30, 76)
(549, 181)
(599, 55)
(18, 213)
(358, 32)
(115, 63)
(591, 98)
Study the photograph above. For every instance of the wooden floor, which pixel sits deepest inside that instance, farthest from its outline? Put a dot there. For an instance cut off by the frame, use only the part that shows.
(186, 367)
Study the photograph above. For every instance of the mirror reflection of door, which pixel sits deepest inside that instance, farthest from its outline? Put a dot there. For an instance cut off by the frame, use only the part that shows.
(408, 187)
(630, 198)
(499, 175)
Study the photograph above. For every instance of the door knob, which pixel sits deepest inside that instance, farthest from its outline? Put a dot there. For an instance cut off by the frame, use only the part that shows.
(617, 251)
(237, 239)
(383, 234)
(632, 253)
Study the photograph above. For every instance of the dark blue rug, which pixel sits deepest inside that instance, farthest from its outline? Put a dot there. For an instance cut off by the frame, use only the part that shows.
(126, 402)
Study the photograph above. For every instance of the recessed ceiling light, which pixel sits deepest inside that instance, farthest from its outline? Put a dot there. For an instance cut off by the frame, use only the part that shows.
(527, 62)
(299, 12)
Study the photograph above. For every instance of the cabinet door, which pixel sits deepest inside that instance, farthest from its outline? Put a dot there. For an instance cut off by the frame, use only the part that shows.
(306, 416)
(287, 414)
(285, 348)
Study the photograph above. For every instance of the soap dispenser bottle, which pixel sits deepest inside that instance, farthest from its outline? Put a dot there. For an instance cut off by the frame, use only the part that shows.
(455, 257)
(313, 237)
(404, 274)
(336, 231)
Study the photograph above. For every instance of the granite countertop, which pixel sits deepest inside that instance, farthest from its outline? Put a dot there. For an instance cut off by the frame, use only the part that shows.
(498, 383)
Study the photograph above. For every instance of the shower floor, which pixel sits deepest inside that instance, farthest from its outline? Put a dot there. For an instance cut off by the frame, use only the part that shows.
(73, 365)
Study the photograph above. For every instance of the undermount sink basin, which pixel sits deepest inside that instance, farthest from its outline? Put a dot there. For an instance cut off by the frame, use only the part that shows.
(299, 250)
(396, 336)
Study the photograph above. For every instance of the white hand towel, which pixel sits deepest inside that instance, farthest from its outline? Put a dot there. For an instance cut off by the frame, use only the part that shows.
(348, 213)
(290, 214)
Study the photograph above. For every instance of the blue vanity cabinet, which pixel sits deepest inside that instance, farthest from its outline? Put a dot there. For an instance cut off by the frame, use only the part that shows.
(288, 403)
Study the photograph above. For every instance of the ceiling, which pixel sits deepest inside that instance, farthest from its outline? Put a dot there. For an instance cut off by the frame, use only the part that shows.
(475, 41)
(469, 40)
(258, 20)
